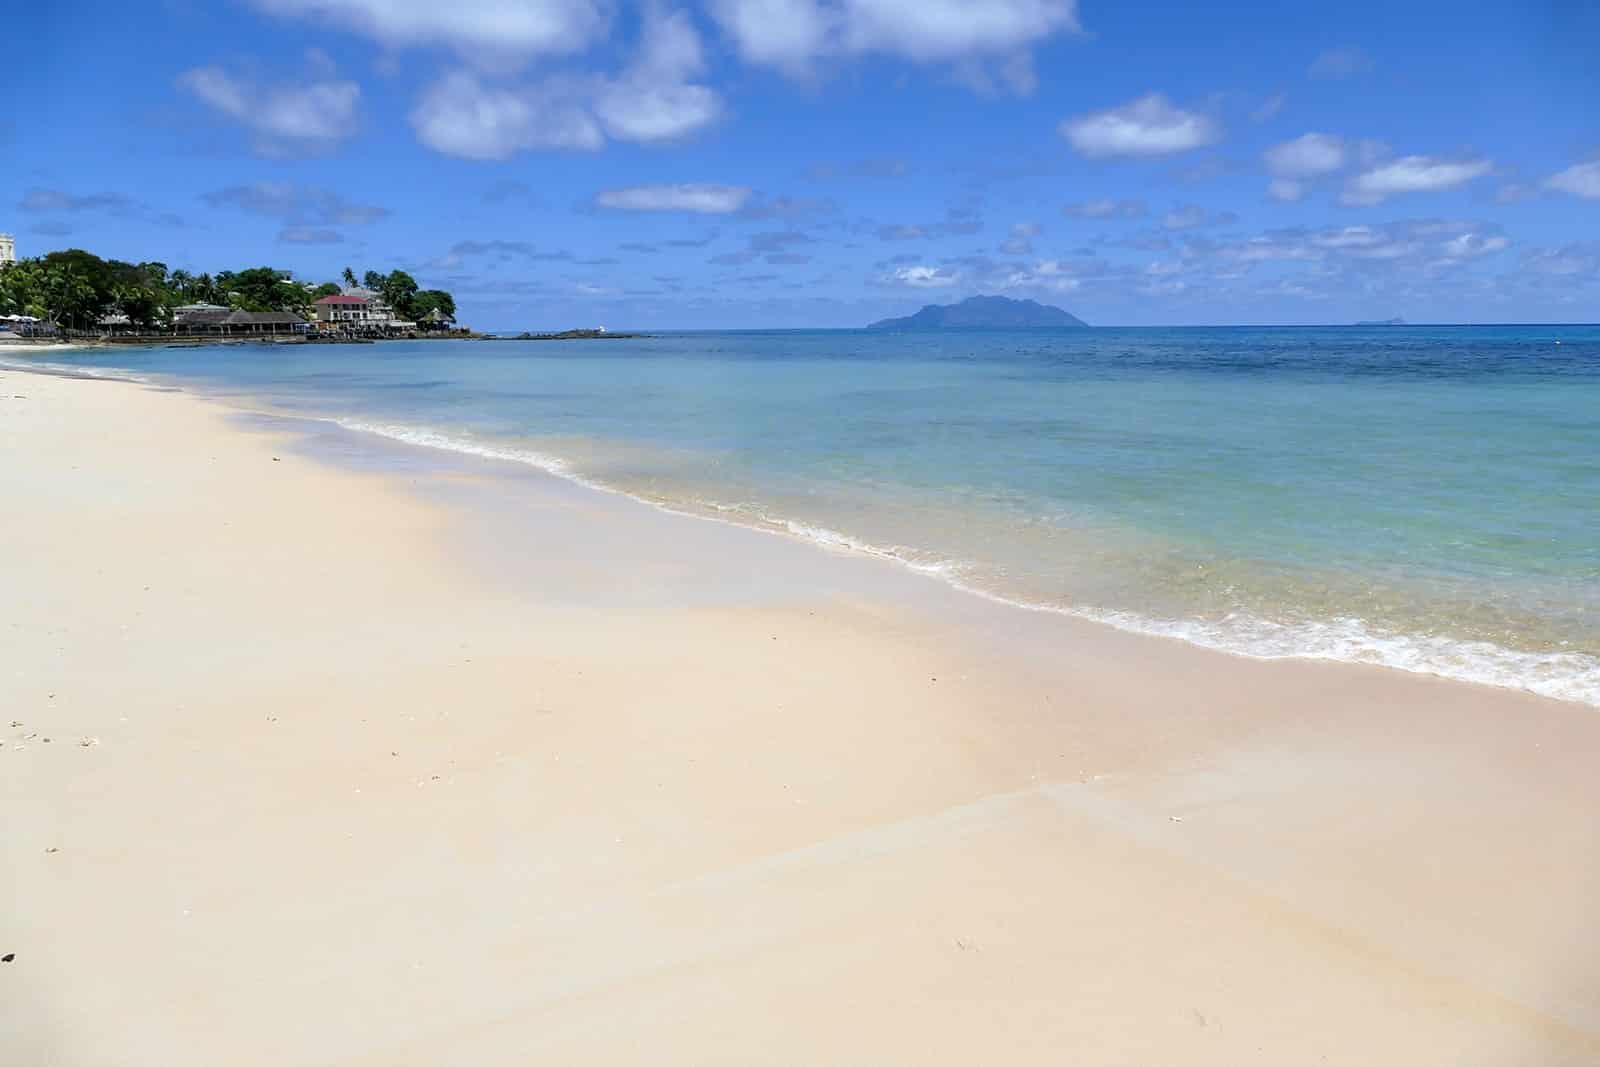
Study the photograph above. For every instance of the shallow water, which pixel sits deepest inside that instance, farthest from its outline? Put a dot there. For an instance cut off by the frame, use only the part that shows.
(1424, 498)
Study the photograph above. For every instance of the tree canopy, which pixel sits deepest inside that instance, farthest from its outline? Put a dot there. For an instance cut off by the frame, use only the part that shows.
(74, 288)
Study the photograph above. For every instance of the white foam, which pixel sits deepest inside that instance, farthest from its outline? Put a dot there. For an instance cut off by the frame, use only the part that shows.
(1561, 676)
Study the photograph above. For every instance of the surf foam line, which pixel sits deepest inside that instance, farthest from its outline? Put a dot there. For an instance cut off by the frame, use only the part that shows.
(1560, 676)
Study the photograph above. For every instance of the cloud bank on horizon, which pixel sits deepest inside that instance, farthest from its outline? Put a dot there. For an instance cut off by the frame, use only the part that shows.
(827, 162)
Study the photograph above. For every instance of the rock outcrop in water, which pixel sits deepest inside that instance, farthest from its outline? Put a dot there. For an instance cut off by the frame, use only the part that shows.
(983, 313)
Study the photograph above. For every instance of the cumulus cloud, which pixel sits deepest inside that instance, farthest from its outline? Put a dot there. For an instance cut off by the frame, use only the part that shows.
(1144, 128)
(1411, 174)
(286, 118)
(1105, 208)
(693, 198)
(654, 99)
(478, 29)
(921, 277)
(1582, 180)
(460, 116)
(1307, 156)
(1293, 163)
(793, 35)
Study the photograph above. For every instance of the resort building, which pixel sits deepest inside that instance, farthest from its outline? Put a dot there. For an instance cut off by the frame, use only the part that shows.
(347, 309)
(234, 323)
(358, 310)
(8, 248)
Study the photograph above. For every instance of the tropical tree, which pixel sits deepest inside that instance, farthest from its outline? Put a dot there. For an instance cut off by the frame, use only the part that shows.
(349, 278)
(428, 301)
(398, 290)
(372, 280)
(325, 289)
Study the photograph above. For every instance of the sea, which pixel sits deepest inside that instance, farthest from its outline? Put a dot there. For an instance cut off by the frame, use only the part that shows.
(1422, 498)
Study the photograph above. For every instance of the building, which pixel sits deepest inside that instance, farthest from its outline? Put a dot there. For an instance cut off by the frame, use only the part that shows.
(8, 248)
(183, 311)
(346, 310)
(230, 323)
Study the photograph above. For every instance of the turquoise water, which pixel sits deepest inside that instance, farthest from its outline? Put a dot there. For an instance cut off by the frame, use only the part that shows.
(1424, 498)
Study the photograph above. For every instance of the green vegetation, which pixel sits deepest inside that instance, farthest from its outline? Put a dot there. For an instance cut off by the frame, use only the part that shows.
(76, 289)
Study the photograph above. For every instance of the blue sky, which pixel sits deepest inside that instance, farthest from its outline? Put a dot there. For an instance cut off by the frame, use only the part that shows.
(748, 163)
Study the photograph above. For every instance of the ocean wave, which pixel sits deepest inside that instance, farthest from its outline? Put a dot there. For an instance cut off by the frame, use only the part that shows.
(1561, 676)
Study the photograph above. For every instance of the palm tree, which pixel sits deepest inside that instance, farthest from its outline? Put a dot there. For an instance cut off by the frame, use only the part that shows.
(349, 278)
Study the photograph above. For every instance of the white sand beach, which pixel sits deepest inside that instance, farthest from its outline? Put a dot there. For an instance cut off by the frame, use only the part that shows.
(309, 759)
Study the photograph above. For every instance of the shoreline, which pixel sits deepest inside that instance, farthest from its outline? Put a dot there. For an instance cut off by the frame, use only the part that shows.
(1345, 640)
(444, 757)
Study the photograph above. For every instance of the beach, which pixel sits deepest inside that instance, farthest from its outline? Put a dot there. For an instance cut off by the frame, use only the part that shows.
(325, 749)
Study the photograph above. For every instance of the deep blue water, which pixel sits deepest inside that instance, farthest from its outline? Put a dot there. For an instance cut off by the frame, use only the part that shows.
(1427, 498)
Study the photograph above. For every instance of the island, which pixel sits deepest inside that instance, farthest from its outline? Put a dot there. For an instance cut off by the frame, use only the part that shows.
(597, 334)
(1383, 322)
(983, 313)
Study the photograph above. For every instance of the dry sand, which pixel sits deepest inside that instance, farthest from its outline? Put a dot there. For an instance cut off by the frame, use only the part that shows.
(360, 755)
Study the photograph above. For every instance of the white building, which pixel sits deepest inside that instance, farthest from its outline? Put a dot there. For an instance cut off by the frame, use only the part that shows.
(8, 248)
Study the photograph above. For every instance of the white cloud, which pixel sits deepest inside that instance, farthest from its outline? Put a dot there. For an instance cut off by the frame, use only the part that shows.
(920, 277)
(306, 205)
(651, 101)
(318, 114)
(1286, 190)
(460, 116)
(1472, 245)
(1105, 208)
(1581, 259)
(1147, 127)
(1269, 107)
(1340, 63)
(1582, 180)
(654, 100)
(1051, 274)
(479, 29)
(780, 33)
(1425, 243)
(949, 29)
(700, 199)
(1307, 156)
(1020, 243)
(1412, 174)
(793, 34)
(1193, 216)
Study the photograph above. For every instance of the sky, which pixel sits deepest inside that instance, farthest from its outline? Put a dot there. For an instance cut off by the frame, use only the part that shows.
(823, 163)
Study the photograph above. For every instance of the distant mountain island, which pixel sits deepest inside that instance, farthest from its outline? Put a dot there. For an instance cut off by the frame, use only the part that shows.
(982, 313)
(1383, 322)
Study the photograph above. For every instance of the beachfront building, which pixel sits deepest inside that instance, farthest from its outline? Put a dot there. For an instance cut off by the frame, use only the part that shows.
(8, 248)
(358, 311)
(183, 311)
(349, 311)
(229, 322)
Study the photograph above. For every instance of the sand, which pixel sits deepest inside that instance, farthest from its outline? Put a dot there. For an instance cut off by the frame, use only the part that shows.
(360, 754)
